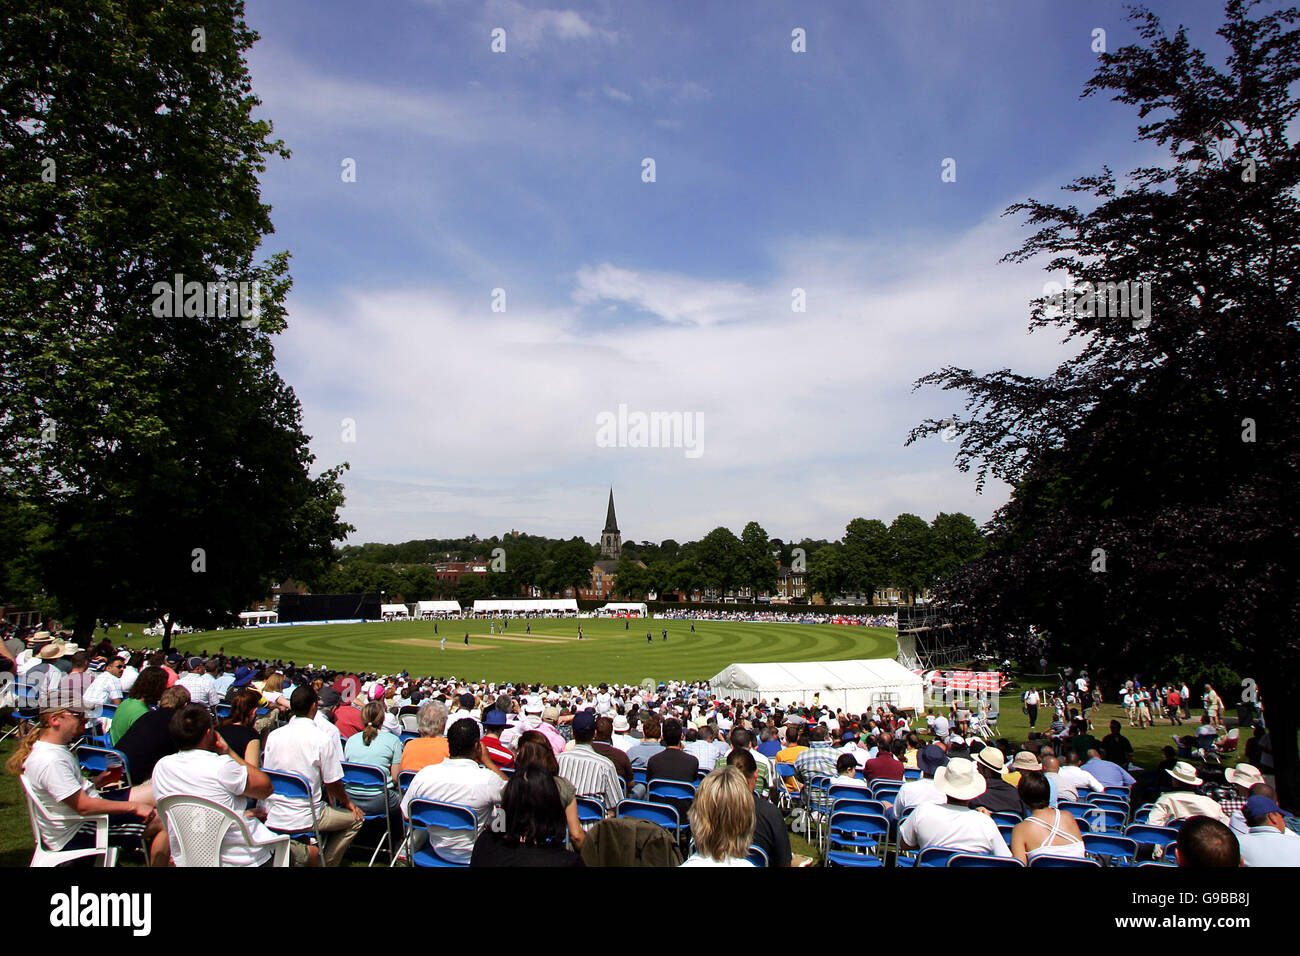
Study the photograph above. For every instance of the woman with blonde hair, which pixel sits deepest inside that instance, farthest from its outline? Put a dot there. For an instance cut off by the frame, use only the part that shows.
(722, 820)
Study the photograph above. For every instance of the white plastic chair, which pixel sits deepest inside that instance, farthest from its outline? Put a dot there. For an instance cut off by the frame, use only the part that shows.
(411, 723)
(197, 829)
(43, 857)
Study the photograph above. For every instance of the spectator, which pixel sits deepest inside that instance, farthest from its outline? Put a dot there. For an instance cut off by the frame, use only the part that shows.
(817, 759)
(885, 765)
(722, 818)
(1025, 762)
(493, 723)
(536, 749)
(648, 747)
(1108, 774)
(1267, 842)
(1045, 832)
(1203, 842)
(535, 825)
(998, 796)
(1116, 747)
(301, 747)
(954, 824)
(1213, 704)
(846, 774)
(202, 688)
(431, 746)
(706, 749)
(346, 716)
(770, 834)
(673, 763)
(1184, 800)
(145, 693)
(914, 793)
(51, 770)
(467, 777)
(237, 729)
(742, 739)
(204, 766)
(591, 774)
(603, 744)
(376, 747)
(150, 738)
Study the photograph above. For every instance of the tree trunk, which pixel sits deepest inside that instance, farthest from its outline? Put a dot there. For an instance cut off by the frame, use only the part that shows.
(167, 632)
(83, 632)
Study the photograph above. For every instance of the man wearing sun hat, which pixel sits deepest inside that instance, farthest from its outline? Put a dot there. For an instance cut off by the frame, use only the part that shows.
(1233, 796)
(1184, 801)
(998, 795)
(954, 823)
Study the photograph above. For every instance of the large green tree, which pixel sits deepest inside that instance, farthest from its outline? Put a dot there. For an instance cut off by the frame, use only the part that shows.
(159, 458)
(865, 556)
(758, 563)
(1152, 523)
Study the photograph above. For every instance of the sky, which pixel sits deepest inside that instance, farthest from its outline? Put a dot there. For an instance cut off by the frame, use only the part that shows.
(486, 268)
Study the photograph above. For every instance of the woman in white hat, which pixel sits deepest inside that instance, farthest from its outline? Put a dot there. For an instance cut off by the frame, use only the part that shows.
(1183, 800)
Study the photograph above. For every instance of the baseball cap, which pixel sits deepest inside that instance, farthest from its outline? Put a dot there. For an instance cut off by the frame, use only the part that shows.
(584, 722)
(467, 701)
(1260, 807)
(329, 697)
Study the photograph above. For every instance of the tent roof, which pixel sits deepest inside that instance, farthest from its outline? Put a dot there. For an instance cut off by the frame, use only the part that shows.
(816, 675)
(437, 606)
(528, 604)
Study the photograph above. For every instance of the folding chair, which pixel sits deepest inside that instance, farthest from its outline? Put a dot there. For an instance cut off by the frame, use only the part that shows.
(107, 855)
(936, 855)
(1002, 817)
(1106, 819)
(1143, 833)
(197, 828)
(1005, 829)
(223, 711)
(865, 837)
(411, 724)
(983, 859)
(404, 779)
(661, 813)
(591, 810)
(432, 813)
(367, 775)
(910, 774)
(785, 773)
(660, 790)
(885, 789)
(1142, 813)
(1125, 792)
(856, 805)
(26, 707)
(96, 760)
(1065, 862)
(294, 787)
(757, 856)
(1077, 808)
(1121, 850)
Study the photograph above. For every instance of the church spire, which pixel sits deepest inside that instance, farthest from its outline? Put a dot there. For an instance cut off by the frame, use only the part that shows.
(611, 541)
(611, 523)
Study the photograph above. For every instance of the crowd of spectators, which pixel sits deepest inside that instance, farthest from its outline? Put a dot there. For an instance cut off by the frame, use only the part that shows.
(521, 758)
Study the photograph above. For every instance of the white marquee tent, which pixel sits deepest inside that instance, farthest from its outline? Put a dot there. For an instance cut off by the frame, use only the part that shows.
(856, 686)
(527, 606)
(430, 608)
(390, 612)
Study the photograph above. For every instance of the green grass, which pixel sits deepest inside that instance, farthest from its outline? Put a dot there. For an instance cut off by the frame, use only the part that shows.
(551, 655)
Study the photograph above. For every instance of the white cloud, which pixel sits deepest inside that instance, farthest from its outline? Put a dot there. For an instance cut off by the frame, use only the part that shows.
(616, 94)
(805, 414)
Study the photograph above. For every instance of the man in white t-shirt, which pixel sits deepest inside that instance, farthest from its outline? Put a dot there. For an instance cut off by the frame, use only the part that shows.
(303, 748)
(205, 767)
(1071, 778)
(57, 784)
(954, 824)
(107, 686)
(467, 777)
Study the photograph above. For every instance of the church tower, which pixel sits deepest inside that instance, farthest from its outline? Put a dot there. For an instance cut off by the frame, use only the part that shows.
(611, 542)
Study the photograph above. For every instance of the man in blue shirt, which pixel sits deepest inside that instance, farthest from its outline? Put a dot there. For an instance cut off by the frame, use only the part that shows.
(1107, 773)
(771, 745)
(1268, 843)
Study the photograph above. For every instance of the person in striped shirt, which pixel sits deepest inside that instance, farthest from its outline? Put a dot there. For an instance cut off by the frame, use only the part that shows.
(591, 774)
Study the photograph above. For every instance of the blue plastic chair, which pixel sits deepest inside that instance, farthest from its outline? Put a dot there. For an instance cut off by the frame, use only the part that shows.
(910, 774)
(936, 855)
(97, 759)
(1125, 792)
(1121, 850)
(785, 775)
(661, 813)
(1076, 807)
(883, 789)
(856, 805)
(447, 816)
(659, 790)
(404, 779)
(1106, 819)
(591, 810)
(757, 856)
(839, 791)
(1005, 830)
(1144, 833)
(356, 775)
(295, 788)
(1106, 800)
(858, 832)
(1001, 817)
(1064, 862)
(983, 860)
(223, 711)
(1143, 813)
(638, 775)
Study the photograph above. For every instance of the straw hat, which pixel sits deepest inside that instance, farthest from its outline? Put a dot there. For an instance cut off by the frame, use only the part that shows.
(1025, 761)
(959, 779)
(1184, 772)
(992, 758)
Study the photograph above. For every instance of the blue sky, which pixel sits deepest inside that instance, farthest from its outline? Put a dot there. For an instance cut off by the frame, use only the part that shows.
(774, 170)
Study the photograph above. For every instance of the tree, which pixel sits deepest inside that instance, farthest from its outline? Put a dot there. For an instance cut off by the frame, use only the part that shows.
(1152, 517)
(720, 560)
(865, 557)
(630, 579)
(911, 554)
(956, 540)
(159, 456)
(825, 574)
(758, 565)
(572, 566)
